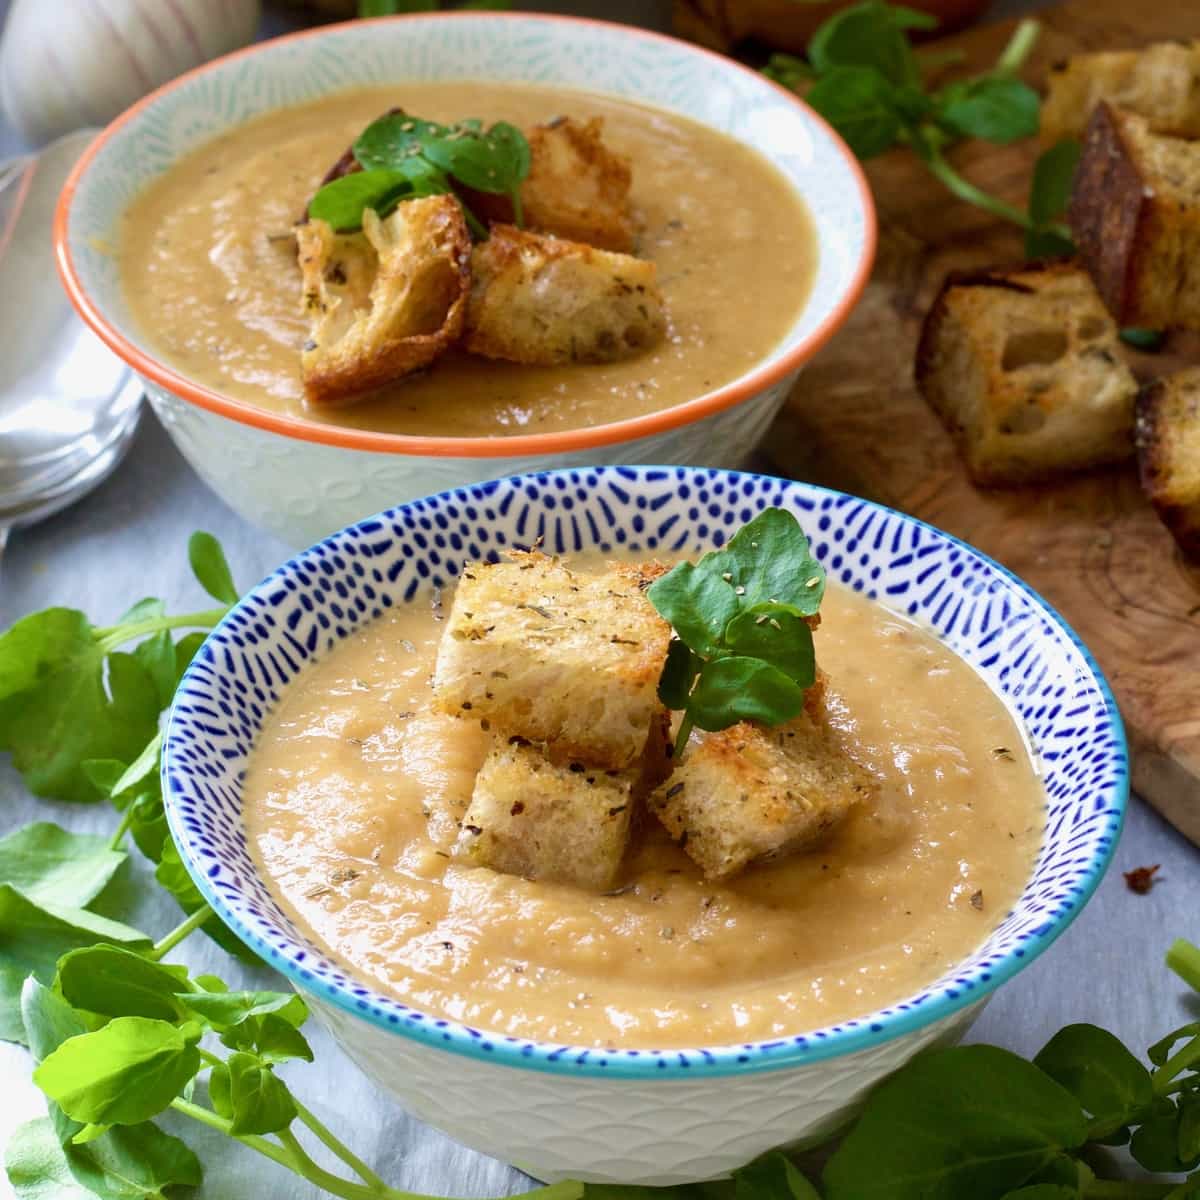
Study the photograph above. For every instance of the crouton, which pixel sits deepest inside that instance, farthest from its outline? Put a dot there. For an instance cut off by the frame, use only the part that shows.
(577, 188)
(1135, 215)
(1168, 443)
(1021, 364)
(538, 299)
(1160, 83)
(747, 794)
(565, 659)
(566, 823)
(385, 302)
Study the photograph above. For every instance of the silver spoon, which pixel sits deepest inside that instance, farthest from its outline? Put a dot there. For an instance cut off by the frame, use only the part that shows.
(68, 406)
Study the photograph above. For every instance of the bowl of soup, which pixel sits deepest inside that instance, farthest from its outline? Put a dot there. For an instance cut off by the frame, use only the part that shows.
(176, 241)
(359, 772)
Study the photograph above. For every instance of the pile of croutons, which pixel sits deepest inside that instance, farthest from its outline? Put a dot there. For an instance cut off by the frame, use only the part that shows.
(562, 668)
(1024, 363)
(567, 288)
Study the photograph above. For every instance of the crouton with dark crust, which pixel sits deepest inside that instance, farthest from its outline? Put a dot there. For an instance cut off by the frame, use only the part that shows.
(1168, 443)
(1022, 365)
(1135, 216)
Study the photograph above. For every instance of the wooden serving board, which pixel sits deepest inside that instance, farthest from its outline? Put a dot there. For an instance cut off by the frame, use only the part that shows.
(1092, 546)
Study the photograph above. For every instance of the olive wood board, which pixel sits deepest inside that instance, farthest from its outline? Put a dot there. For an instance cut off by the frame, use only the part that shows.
(1091, 545)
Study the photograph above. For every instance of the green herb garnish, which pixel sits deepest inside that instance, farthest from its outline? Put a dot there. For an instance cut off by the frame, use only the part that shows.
(864, 77)
(403, 158)
(743, 650)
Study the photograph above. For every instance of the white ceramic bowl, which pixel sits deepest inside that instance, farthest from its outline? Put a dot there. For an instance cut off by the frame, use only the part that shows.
(300, 479)
(640, 1116)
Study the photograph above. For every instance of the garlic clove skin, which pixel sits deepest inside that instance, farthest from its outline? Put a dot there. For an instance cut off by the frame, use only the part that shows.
(63, 67)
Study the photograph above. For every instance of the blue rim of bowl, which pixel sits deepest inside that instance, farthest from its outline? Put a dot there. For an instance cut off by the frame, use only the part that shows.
(787, 1051)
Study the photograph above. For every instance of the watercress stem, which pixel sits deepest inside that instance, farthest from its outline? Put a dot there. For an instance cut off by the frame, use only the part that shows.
(168, 943)
(1019, 47)
(1180, 1061)
(111, 637)
(518, 210)
(681, 738)
(331, 1141)
(114, 842)
(206, 1117)
(1184, 959)
(965, 190)
(302, 1164)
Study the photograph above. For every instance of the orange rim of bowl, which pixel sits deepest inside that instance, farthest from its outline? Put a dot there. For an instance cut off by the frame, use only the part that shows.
(559, 441)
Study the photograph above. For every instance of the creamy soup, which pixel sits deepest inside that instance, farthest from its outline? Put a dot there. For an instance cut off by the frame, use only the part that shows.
(210, 274)
(355, 789)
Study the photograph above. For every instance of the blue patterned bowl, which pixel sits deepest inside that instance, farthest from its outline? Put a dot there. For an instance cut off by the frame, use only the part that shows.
(629, 1115)
(300, 479)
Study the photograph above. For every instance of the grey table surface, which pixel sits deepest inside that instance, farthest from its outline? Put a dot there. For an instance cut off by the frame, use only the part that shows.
(128, 539)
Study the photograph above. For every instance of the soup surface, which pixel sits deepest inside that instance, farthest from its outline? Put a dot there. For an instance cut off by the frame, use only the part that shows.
(209, 265)
(355, 788)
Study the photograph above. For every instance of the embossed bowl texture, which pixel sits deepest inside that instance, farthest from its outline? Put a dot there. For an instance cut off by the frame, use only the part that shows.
(623, 1115)
(300, 479)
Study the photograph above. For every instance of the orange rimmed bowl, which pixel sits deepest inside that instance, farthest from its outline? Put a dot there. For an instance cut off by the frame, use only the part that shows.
(300, 479)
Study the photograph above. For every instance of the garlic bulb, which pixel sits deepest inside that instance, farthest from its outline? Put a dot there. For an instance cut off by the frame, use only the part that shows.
(64, 66)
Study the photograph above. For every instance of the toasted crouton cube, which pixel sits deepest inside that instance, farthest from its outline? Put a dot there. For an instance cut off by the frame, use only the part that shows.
(385, 302)
(1160, 83)
(565, 659)
(748, 794)
(1135, 215)
(538, 299)
(568, 823)
(1022, 366)
(577, 188)
(1168, 440)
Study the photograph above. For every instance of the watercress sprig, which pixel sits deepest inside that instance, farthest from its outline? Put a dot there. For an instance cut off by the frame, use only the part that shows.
(403, 158)
(864, 77)
(743, 647)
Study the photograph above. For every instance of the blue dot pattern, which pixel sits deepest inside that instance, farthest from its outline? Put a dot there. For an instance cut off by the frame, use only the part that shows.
(993, 620)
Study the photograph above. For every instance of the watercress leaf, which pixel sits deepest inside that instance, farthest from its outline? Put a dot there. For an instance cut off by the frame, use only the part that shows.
(775, 634)
(120, 784)
(769, 561)
(341, 202)
(870, 34)
(148, 824)
(772, 1177)
(115, 982)
(211, 568)
(496, 160)
(123, 1073)
(788, 70)
(226, 1009)
(1097, 1069)
(172, 875)
(1047, 243)
(55, 712)
(156, 653)
(994, 108)
(49, 1020)
(259, 1100)
(1189, 1128)
(1053, 177)
(1155, 1145)
(697, 602)
(104, 772)
(967, 1121)
(861, 105)
(211, 983)
(50, 864)
(1149, 341)
(127, 1163)
(678, 675)
(1161, 1050)
(1044, 1191)
(32, 939)
(735, 689)
(276, 1039)
(185, 651)
(390, 141)
(385, 8)
(220, 1094)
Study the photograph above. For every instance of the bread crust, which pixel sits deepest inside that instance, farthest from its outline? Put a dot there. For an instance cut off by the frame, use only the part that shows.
(385, 302)
(1166, 417)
